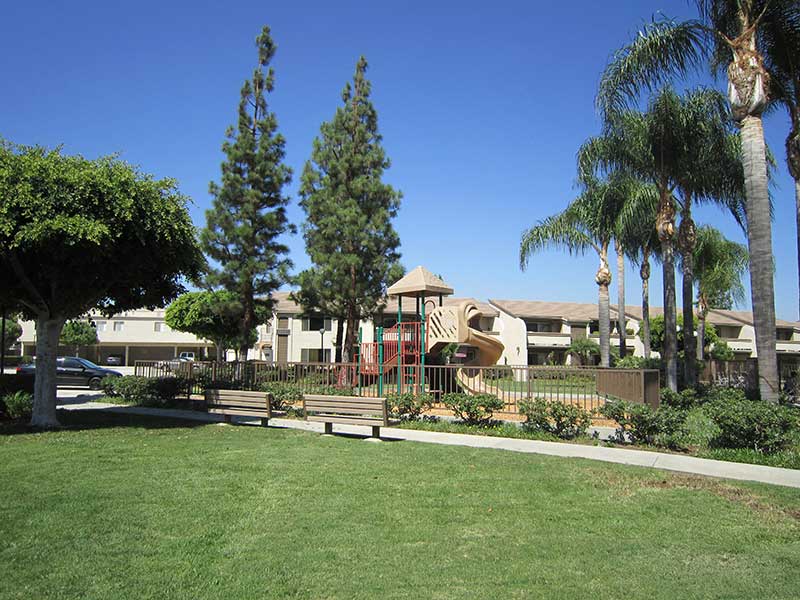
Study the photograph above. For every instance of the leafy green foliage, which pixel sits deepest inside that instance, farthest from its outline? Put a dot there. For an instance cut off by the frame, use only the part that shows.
(475, 409)
(248, 215)
(349, 210)
(566, 421)
(18, 405)
(145, 391)
(13, 383)
(77, 234)
(408, 406)
(284, 395)
(215, 316)
(637, 362)
(754, 424)
(640, 424)
(683, 400)
(584, 349)
(711, 338)
(76, 333)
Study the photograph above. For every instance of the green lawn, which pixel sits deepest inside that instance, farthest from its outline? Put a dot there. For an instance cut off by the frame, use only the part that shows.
(139, 508)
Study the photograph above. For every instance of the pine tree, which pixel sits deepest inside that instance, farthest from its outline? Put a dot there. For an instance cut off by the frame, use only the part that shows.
(348, 230)
(248, 215)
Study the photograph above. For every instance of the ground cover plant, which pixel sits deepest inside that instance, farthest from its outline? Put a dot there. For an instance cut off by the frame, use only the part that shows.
(177, 510)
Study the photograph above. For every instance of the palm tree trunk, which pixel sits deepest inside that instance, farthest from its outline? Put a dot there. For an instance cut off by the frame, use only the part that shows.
(670, 347)
(687, 238)
(701, 333)
(621, 325)
(797, 219)
(644, 326)
(604, 316)
(603, 280)
(759, 238)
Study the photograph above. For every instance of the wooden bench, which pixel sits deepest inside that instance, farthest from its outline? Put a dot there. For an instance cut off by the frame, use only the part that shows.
(238, 403)
(347, 410)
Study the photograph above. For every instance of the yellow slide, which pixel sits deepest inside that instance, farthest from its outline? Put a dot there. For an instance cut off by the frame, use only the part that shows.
(452, 324)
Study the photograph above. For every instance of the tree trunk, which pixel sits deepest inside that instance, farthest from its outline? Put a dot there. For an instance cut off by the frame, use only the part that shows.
(644, 326)
(670, 345)
(701, 334)
(604, 316)
(797, 220)
(687, 238)
(349, 335)
(621, 324)
(759, 238)
(665, 226)
(339, 343)
(44, 393)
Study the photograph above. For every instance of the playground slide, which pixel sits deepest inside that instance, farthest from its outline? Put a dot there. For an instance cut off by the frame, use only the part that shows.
(451, 324)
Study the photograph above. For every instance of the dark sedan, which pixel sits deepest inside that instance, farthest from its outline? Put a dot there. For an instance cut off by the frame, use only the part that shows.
(74, 371)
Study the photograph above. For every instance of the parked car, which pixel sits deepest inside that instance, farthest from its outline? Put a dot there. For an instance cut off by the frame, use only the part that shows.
(179, 364)
(71, 370)
(186, 356)
(115, 359)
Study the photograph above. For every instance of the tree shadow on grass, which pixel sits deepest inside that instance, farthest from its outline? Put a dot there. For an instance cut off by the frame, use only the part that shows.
(102, 418)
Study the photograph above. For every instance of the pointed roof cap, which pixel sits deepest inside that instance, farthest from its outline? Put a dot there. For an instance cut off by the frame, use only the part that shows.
(417, 282)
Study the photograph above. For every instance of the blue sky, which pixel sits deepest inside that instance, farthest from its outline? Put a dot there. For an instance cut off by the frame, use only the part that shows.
(482, 107)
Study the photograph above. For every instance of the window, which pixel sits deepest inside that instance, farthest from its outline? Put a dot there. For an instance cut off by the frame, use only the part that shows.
(100, 325)
(783, 334)
(313, 355)
(316, 323)
(160, 326)
(283, 322)
(119, 325)
(542, 326)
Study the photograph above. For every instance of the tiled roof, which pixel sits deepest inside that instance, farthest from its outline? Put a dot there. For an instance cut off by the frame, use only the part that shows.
(534, 309)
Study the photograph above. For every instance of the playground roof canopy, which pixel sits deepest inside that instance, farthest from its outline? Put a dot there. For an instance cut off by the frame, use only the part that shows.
(419, 282)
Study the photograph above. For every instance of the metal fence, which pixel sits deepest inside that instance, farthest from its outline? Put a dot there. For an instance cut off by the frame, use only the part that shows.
(585, 387)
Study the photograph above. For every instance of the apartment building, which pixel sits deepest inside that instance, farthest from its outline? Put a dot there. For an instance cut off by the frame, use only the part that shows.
(128, 337)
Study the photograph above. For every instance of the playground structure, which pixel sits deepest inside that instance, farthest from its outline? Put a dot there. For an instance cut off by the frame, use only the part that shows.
(403, 347)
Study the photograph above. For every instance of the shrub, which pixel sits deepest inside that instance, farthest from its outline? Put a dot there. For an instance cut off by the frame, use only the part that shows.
(755, 424)
(15, 383)
(683, 400)
(146, 391)
(473, 410)
(566, 421)
(284, 395)
(408, 406)
(638, 362)
(640, 424)
(18, 405)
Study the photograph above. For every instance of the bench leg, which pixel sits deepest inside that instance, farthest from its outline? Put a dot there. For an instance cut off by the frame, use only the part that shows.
(376, 432)
(328, 428)
(227, 419)
(264, 422)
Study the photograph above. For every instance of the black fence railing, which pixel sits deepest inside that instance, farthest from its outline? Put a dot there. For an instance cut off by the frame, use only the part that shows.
(585, 387)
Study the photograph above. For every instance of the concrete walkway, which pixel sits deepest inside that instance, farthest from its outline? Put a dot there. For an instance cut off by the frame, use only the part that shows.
(641, 458)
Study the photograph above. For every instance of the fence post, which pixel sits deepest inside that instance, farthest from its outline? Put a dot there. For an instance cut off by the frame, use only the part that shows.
(380, 361)
(358, 368)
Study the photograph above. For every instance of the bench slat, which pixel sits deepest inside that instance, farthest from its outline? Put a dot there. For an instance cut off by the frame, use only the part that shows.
(347, 410)
(236, 393)
(240, 412)
(347, 420)
(243, 401)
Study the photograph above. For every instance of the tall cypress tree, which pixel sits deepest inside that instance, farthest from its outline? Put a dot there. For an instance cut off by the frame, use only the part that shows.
(248, 215)
(348, 230)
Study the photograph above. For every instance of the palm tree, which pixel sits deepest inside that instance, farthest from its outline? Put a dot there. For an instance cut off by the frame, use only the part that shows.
(719, 265)
(641, 243)
(681, 145)
(726, 33)
(589, 222)
(779, 42)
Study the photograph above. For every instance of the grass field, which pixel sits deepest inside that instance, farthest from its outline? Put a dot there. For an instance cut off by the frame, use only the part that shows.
(127, 507)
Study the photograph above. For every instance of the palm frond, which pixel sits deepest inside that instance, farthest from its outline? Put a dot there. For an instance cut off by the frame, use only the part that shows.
(562, 231)
(661, 51)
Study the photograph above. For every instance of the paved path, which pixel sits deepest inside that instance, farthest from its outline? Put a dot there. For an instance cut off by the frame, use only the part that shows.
(641, 458)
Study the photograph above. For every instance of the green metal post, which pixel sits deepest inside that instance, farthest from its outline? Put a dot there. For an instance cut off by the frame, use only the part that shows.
(399, 345)
(380, 361)
(358, 372)
(424, 345)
